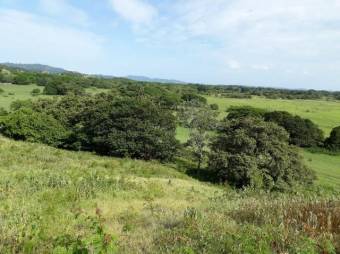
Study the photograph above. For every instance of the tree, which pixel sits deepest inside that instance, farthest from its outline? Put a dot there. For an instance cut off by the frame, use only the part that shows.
(235, 112)
(132, 127)
(252, 152)
(333, 142)
(199, 121)
(302, 132)
(27, 125)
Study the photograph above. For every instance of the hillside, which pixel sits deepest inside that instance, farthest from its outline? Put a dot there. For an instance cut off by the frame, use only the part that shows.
(35, 67)
(55, 201)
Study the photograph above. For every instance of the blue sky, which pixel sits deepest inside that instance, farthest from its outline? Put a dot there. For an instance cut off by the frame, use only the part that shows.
(281, 43)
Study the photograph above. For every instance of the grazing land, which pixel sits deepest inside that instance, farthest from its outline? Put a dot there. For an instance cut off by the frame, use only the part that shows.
(324, 113)
(55, 201)
(254, 195)
(16, 92)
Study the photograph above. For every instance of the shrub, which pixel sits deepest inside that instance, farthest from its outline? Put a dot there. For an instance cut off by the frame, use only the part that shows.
(2, 91)
(31, 126)
(191, 97)
(35, 91)
(251, 152)
(214, 106)
(235, 112)
(333, 142)
(303, 132)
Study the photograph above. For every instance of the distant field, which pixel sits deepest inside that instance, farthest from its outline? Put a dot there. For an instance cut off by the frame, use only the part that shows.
(23, 92)
(324, 113)
(326, 166)
(16, 92)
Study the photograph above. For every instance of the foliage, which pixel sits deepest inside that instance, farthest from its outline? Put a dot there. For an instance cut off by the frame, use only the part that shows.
(235, 112)
(194, 98)
(31, 126)
(251, 152)
(35, 92)
(130, 127)
(333, 141)
(302, 132)
(214, 106)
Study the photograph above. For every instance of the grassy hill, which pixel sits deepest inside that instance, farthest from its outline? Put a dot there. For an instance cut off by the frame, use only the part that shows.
(55, 201)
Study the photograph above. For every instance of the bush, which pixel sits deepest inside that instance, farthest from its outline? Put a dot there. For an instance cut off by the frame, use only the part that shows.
(214, 106)
(303, 132)
(235, 112)
(2, 91)
(35, 91)
(333, 142)
(251, 152)
(31, 126)
(191, 97)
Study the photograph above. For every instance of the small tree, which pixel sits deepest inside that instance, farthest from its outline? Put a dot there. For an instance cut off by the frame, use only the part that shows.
(35, 92)
(199, 121)
(333, 142)
(251, 152)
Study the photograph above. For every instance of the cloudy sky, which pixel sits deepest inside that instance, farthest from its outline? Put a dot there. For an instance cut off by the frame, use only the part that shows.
(280, 43)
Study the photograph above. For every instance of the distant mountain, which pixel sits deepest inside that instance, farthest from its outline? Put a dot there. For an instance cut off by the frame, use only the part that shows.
(35, 67)
(55, 70)
(147, 79)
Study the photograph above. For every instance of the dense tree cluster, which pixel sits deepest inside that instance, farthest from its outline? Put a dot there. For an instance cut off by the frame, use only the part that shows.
(302, 132)
(120, 126)
(252, 152)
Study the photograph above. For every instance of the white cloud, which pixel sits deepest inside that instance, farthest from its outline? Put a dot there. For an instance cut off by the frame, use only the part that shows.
(136, 11)
(29, 38)
(63, 9)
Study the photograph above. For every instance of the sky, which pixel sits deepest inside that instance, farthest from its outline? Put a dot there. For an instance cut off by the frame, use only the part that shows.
(276, 43)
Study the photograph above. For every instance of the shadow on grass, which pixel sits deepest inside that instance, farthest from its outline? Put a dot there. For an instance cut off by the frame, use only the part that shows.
(189, 168)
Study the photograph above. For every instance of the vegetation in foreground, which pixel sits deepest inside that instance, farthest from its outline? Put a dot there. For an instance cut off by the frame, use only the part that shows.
(54, 201)
(67, 202)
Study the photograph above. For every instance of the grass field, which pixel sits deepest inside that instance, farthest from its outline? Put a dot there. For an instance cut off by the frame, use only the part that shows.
(16, 92)
(326, 166)
(23, 92)
(55, 201)
(324, 113)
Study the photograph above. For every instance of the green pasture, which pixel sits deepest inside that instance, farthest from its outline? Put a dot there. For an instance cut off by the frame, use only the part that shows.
(324, 113)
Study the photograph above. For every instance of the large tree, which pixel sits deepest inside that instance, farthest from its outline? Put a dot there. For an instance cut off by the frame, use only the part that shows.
(302, 132)
(252, 152)
(132, 127)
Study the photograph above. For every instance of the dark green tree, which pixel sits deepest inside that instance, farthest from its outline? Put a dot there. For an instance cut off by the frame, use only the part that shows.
(132, 127)
(235, 112)
(333, 142)
(302, 132)
(252, 152)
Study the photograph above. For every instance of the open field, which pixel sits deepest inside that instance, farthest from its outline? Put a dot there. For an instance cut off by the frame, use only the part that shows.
(23, 92)
(326, 166)
(324, 113)
(55, 201)
(16, 92)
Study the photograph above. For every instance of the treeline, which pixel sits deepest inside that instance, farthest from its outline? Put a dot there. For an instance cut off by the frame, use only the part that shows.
(244, 92)
(71, 82)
